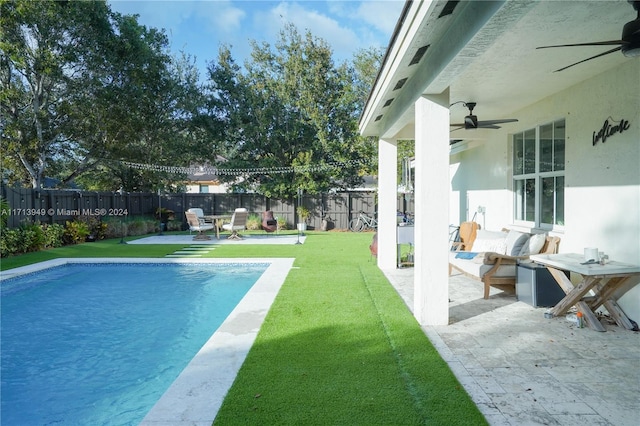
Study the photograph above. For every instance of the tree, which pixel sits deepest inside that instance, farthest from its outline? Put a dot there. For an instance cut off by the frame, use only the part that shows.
(145, 114)
(292, 108)
(45, 52)
(366, 63)
(83, 88)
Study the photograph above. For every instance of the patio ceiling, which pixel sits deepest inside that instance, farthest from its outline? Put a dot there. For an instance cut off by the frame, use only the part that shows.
(485, 52)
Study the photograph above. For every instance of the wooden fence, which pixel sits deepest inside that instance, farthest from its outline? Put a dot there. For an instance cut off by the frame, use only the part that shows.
(59, 206)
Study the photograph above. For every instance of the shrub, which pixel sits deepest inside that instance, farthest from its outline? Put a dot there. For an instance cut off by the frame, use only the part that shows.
(5, 209)
(254, 222)
(32, 237)
(29, 237)
(137, 227)
(75, 232)
(282, 223)
(53, 235)
(114, 228)
(152, 226)
(10, 241)
(97, 228)
(174, 225)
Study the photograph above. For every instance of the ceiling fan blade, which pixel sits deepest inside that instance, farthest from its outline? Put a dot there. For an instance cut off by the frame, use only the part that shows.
(456, 124)
(595, 43)
(457, 128)
(588, 59)
(487, 126)
(486, 123)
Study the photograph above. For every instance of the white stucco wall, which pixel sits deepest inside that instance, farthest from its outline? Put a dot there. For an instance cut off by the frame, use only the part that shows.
(602, 182)
(480, 177)
(213, 189)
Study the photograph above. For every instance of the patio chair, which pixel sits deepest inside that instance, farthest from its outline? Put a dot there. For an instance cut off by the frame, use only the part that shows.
(238, 223)
(195, 225)
(269, 223)
(200, 214)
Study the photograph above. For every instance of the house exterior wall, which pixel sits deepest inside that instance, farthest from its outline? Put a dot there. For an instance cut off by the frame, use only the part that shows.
(195, 188)
(602, 181)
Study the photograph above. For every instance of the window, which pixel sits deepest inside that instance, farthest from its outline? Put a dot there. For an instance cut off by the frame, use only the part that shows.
(204, 189)
(538, 175)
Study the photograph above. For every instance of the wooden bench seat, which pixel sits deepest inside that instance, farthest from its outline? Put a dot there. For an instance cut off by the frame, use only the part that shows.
(492, 268)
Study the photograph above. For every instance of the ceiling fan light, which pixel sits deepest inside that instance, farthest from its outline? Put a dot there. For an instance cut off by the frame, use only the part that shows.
(471, 122)
(631, 52)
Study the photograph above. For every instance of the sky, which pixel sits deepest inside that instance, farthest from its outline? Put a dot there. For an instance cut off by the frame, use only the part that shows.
(199, 27)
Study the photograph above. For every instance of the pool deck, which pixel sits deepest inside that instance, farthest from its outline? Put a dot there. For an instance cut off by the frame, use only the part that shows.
(186, 239)
(195, 397)
(523, 369)
(518, 367)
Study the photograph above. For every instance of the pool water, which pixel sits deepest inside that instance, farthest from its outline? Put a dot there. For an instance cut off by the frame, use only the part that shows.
(100, 343)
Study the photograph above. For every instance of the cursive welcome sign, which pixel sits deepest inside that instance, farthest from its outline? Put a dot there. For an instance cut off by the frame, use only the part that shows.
(609, 130)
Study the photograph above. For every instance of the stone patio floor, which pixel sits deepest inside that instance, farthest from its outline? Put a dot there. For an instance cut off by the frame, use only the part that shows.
(523, 369)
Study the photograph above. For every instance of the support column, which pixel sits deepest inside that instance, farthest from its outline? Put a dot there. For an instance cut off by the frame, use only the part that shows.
(387, 190)
(431, 272)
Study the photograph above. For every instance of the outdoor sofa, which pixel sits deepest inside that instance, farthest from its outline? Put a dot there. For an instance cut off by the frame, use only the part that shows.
(491, 257)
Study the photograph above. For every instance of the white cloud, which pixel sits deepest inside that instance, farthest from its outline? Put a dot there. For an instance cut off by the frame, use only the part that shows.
(199, 27)
(156, 13)
(225, 17)
(343, 40)
(383, 15)
(171, 15)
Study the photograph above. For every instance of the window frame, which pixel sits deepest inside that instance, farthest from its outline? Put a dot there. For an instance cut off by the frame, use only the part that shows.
(519, 207)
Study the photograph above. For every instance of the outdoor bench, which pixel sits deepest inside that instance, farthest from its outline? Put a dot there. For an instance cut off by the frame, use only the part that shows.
(492, 257)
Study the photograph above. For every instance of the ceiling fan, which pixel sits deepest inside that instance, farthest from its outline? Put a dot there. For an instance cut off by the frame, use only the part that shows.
(471, 121)
(629, 44)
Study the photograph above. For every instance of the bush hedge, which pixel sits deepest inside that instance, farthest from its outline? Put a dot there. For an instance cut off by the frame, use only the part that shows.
(53, 235)
(36, 236)
(28, 237)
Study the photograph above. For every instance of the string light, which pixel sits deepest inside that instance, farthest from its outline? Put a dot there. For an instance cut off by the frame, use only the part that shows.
(241, 172)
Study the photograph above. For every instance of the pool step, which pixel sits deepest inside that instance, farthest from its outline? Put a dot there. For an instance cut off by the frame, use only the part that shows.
(192, 251)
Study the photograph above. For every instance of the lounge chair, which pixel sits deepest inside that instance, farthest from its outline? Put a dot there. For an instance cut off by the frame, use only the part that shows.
(238, 223)
(196, 225)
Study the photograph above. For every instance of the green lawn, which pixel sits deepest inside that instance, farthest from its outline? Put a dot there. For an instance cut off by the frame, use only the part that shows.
(337, 347)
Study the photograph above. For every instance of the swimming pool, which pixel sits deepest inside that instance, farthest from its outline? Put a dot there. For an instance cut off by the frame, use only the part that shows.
(93, 344)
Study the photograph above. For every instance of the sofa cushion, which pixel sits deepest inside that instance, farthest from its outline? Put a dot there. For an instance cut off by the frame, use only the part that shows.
(497, 245)
(477, 268)
(534, 245)
(483, 234)
(515, 242)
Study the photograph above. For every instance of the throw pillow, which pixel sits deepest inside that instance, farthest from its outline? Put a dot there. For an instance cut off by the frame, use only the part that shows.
(534, 245)
(515, 242)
